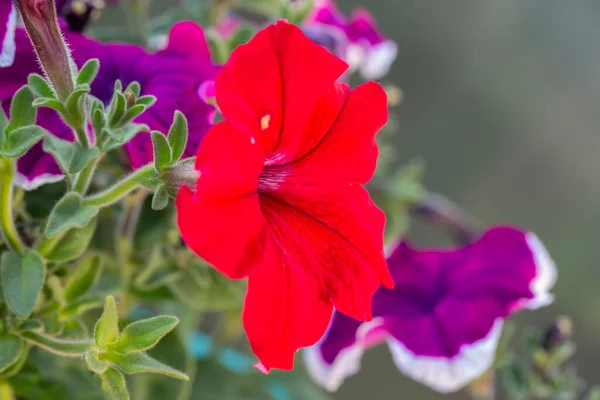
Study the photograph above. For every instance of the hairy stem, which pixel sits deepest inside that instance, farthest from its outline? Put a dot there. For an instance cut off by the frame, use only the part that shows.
(121, 188)
(7, 223)
(84, 178)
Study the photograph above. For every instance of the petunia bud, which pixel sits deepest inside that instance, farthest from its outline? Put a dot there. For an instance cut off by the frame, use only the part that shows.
(39, 17)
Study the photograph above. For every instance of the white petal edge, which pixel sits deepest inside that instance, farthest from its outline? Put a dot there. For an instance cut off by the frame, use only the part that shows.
(449, 375)
(546, 274)
(25, 183)
(347, 362)
(8, 48)
(378, 60)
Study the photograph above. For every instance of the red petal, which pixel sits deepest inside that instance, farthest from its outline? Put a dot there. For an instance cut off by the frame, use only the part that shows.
(222, 221)
(279, 66)
(284, 310)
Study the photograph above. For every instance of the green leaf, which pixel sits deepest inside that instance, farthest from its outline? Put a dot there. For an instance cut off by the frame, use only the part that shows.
(106, 331)
(160, 199)
(113, 385)
(40, 86)
(61, 347)
(178, 135)
(514, 381)
(22, 280)
(73, 244)
(69, 213)
(561, 354)
(50, 103)
(96, 115)
(162, 150)
(11, 347)
(31, 325)
(17, 366)
(22, 112)
(132, 113)
(22, 139)
(123, 135)
(88, 72)
(94, 364)
(147, 101)
(87, 273)
(75, 106)
(3, 123)
(79, 307)
(118, 86)
(81, 156)
(61, 150)
(116, 109)
(140, 362)
(144, 334)
(135, 88)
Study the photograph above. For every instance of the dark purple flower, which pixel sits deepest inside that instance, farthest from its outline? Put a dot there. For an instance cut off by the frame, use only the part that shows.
(357, 40)
(8, 24)
(443, 319)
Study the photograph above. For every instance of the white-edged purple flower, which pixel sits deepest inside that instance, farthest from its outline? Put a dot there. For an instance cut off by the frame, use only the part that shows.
(443, 320)
(357, 40)
(8, 24)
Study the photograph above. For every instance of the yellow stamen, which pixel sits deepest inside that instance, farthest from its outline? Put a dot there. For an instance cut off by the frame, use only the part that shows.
(264, 122)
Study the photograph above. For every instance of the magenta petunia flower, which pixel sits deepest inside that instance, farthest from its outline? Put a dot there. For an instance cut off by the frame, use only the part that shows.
(8, 24)
(443, 320)
(176, 75)
(357, 40)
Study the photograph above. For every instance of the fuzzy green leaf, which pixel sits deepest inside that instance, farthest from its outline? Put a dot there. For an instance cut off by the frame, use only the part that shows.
(73, 244)
(75, 105)
(106, 331)
(140, 362)
(116, 109)
(61, 347)
(81, 156)
(147, 101)
(80, 306)
(50, 103)
(3, 123)
(87, 273)
(61, 150)
(134, 87)
(11, 347)
(88, 72)
(69, 213)
(178, 135)
(132, 113)
(22, 280)
(94, 364)
(40, 86)
(123, 135)
(160, 199)
(22, 112)
(113, 385)
(162, 150)
(144, 334)
(22, 139)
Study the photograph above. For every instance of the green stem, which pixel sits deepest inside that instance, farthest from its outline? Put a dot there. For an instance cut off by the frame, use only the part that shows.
(46, 244)
(82, 136)
(84, 178)
(7, 223)
(121, 188)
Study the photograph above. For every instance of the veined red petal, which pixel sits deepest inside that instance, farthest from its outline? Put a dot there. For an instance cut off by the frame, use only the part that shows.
(285, 309)
(222, 222)
(272, 83)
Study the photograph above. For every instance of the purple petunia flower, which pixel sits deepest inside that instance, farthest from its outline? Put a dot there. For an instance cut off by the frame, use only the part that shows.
(176, 75)
(357, 40)
(444, 318)
(8, 24)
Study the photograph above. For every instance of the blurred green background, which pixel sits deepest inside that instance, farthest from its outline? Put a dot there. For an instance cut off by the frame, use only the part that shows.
(502, 101)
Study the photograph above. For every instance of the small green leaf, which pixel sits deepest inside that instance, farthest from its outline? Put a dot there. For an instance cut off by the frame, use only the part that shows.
(123, 135)
(144, 334)
(61, 347)
(135, 88)
(106, 331)
(3, 122)
(178, 135)
(160, 199)
(73, 244)
(147, 101)
(81, 156)
(22, 112)
(69, 213)
(40, 86)
(87, 273)
(22, 280)
(94, 364)
(79, 307)
(20, 140)
(132, 113)
(61, 150)
(11, 347)
(140, 362)
(88, 72)
(113, 385)
(116, 109)
(31, 325)
(118, 86)
(50, 103)
(75, 105)
(162, 150)
(561, 354)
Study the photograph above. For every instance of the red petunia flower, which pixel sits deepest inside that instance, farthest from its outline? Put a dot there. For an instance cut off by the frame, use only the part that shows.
(280, 198)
